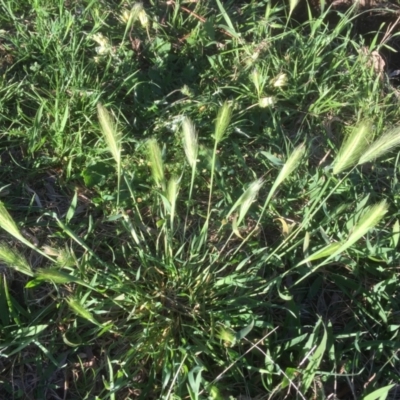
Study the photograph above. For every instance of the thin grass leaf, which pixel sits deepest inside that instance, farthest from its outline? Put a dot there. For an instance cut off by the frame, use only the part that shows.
(353, 148)
(314, 361)
(222, 122)
(226, 18)
(190, 141)
(8, 224)
(379, 394)
(156, 162)
(246, 199)
(14, 260)
(386, 143)
(290, 165)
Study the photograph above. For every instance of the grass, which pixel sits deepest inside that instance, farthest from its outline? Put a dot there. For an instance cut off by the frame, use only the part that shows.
(199, 201)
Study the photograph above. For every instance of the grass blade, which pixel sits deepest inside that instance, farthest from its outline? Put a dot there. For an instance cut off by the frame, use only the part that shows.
(226, 18)
(315, 361)
(379, 394)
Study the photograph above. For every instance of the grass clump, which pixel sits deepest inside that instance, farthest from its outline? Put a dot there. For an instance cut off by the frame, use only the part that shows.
(240, 242)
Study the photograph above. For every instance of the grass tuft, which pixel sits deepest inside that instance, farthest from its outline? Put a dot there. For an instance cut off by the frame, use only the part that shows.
(226, 261)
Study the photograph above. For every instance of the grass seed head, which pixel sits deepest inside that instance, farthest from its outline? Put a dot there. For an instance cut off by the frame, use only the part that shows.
(190, 141)
(353, 147)
(172, 195)
(14, 260)
(246, 199)
(156, 162)
(292, 163)
(104, 44)
(222, 122)
(387, 142)
(281, 80)
(265, 102)
(8, 224)
(110, 133)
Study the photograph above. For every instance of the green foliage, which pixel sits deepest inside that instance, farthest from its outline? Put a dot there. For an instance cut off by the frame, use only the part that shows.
(224, 225)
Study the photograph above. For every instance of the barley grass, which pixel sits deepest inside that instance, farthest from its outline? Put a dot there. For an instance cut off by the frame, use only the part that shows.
(229, 261)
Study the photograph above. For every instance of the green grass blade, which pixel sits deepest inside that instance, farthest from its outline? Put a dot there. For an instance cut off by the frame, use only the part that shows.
(226, 18)
(314, 361)
(379, 394)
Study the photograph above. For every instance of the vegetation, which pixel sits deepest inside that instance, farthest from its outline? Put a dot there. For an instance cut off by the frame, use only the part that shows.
(200, 200)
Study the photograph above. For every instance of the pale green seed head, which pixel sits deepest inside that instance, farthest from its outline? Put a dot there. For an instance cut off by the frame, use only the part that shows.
(386, 143)
(222, 122)
(190, 141)
(110, 133)
(156, 162)
(14, 260)
(353, 147)
(8, 224)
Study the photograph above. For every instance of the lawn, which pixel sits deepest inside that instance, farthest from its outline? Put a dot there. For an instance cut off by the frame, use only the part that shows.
(199, 200)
